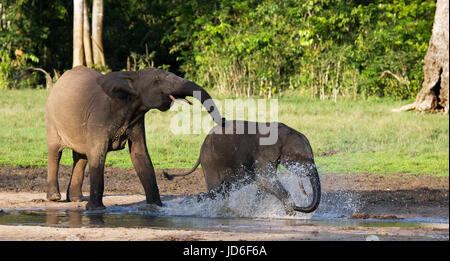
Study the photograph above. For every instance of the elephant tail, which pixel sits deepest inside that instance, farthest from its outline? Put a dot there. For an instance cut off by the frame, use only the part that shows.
(48, 78)
(171, 176)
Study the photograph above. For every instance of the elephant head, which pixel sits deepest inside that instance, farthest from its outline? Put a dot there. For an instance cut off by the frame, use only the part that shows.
(156, 89)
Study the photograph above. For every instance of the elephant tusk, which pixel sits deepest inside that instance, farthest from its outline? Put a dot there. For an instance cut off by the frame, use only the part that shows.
(172, 98)
(176, 100)
(187, 101)
(302, 189)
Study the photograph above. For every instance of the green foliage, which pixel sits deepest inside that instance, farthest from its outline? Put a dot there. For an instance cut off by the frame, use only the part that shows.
(396, 39)
(324, 48)
(31, 35)
(11, 69)
(133, 32)
(13, 57)
(318, 48)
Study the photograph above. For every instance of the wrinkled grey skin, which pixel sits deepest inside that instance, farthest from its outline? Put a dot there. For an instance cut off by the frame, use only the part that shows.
(91, 114)
(232, 158)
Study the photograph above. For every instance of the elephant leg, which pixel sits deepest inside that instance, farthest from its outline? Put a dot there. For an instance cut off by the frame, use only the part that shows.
(260, 194)
(274, 187)
(215, 183)
(74, 192)
(210, 194)
(267, 180)
(222, 191)
(96, 160)
(146, 173)
(54, 156)
(143, 164)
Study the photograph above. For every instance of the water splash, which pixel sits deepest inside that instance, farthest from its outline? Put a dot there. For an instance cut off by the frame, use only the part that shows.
(243, 200)
(342, 200)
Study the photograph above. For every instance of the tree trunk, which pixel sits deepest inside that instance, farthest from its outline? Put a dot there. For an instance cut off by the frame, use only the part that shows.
(434, 93)
(77, 33)
(86, 35)
(2, 18)
(97, 21)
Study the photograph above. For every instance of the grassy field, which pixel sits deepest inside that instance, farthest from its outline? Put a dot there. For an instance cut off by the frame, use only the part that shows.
(347, 137)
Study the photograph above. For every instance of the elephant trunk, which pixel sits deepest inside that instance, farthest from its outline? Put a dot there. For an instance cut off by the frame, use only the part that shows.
(315, 184)
(191, 89)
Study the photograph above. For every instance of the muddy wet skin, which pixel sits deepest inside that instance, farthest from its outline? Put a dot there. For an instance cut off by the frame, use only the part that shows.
(353, 207)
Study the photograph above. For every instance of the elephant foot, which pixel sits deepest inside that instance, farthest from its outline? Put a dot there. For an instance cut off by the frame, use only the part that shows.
(55, 196)
(290, 211)
(158, 203)
(206, 195)
(75, 198)
(290, 208)
(92, 206)
(149, 207)
(74, 195)
(154, 201)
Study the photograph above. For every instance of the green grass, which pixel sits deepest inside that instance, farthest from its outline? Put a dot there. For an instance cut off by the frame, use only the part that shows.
(361, 136)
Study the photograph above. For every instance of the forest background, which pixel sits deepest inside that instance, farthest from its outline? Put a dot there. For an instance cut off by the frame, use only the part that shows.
(338, 68)
(317, 48)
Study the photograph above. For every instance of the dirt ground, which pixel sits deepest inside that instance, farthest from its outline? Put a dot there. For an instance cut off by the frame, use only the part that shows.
(384, 196)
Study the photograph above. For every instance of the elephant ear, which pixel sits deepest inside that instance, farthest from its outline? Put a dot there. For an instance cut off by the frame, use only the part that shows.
(118, 84)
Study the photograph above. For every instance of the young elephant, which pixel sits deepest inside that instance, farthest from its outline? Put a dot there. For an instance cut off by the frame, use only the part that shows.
(232, 154)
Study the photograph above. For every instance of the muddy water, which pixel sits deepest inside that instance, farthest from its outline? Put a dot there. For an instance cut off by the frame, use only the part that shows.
(137, 219)
(244, 210)
(124, 217)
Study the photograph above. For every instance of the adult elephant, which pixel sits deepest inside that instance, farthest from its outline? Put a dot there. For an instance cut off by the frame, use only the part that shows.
(92, 114)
